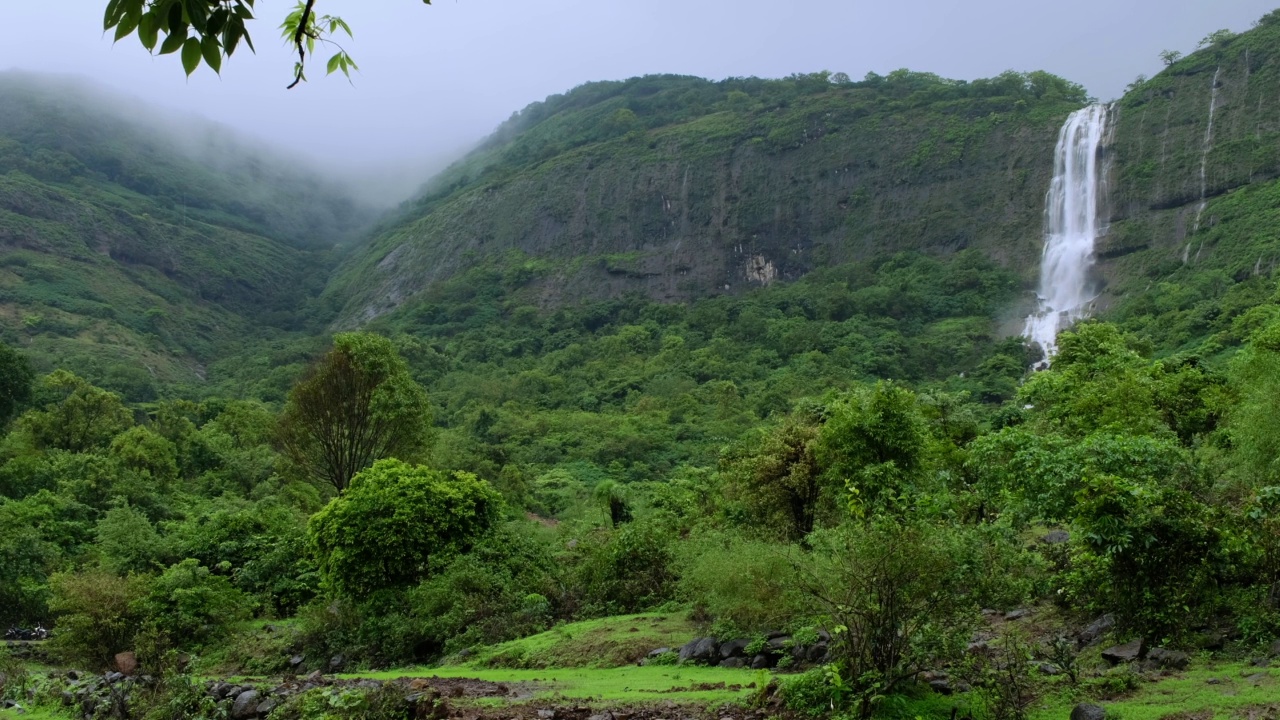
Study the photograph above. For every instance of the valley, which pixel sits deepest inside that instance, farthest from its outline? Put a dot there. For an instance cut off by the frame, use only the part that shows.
(904, 397)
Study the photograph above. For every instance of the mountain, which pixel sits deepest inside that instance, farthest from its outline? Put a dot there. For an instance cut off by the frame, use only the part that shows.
(136, 248)
(680, 188)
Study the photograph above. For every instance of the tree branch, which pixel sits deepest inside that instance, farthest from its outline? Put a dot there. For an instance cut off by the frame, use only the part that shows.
(298, 37)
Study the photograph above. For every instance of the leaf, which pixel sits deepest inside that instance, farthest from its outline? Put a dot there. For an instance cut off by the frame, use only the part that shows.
(128, 24)
(334, 63)
(231, 35)
(190, 55)
(148, 31)
(212, 53)
(174, 41)
(112, 15)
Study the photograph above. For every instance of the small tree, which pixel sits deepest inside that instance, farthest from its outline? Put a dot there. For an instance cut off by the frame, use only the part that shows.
(894, 594)
(78, 417)
(15, 382)
(776, 476)
(395, 522)
(1169, 57)
(1216, 37)
(613, 499)
(359, 404)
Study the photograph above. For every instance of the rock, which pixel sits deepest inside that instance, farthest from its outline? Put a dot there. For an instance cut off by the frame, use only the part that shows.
(315, 677)
(127, 663)
(1017, 614)
(817, 653)
(1049, 669)
(734, 648)
(296, 661)
(779, 643)
(700, 650)
(1169, 659)
(1095, 630)
(1126, 653)
(1086, 711)
(762, 662)
(1214, 681)
(658, 651)
(1274, 650)
(606, 715)
(1212, 641)
(1056, 537)
(942, 686)
(734, 662)
(547, 714)
(246, 705)
(113, 677)
(1260, 662)
(72, 675)
(267, 706)
(336, 662)
(465, 653)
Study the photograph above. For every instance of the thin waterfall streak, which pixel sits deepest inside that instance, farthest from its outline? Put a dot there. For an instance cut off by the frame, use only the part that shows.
(1072, 226)
(1204, 152)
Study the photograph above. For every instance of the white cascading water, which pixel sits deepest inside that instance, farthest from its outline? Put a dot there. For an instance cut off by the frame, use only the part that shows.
(1071, 228)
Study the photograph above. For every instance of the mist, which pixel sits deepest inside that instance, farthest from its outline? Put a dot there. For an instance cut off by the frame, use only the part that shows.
(435, 80)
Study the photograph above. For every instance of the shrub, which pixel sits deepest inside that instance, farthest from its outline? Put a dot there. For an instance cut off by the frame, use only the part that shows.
(394, 521)
(98, 615)
(895, 595)
(744, 585)
(192, 605)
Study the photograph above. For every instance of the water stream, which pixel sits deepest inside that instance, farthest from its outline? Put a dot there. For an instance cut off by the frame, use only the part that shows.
(1072, 226)
(1204, 154)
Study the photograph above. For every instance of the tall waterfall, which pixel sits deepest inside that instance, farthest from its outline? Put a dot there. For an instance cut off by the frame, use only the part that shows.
(1071, 227)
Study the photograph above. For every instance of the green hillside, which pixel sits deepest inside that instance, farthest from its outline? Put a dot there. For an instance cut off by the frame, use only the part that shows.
(137, 251)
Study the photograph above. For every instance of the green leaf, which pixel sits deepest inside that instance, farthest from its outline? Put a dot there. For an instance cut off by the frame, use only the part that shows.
(128, 24)
(212, 53)
(190, 55)
(112, 15)
(334, 63)
(231, 35)
(148, 31)
(174, 41)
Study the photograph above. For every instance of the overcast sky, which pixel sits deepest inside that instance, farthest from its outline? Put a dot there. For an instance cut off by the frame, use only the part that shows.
(437, 78)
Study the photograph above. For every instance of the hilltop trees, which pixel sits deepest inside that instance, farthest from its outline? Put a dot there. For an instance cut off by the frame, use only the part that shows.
(15, 381)
(357, 405)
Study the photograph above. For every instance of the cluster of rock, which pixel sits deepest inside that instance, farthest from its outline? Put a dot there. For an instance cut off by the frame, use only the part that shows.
(745, 652)
(112, 694)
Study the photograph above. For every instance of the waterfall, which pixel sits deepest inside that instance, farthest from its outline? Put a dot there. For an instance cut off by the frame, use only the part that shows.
(1204, 153)
(1071, 227)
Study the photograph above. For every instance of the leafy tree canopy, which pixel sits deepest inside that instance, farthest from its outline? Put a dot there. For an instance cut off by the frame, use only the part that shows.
(395, 521)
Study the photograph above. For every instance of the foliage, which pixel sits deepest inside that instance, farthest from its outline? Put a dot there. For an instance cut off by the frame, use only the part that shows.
(774, 474)
(874, 441)
(393, 521)
(15, 381)
(895, 595)
(98, 615)
(188, 601)
(356, 406)
(75, 415)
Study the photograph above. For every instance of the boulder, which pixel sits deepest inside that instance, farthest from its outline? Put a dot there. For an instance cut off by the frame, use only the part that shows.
(1056, 537)
(1169, 659)
(113, 677)
(295, 662)
(127, 663)
(942, 686)
(817, 653)
(1094, 631)
(734, 662)
(659, 651)
(73, 675)
(336, 662)
(315, 677)
(700, 650)
(1086, 711)
(266, 706)
(1017, 614)
(1126, 653)
(1274, 650)
(762, 662)
(245, 705)
(734, 648)
(546, 714)
(779, 643)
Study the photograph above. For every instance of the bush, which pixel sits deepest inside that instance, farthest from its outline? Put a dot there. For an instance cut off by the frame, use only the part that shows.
(631, 570)
(394, 521)
(745, 585)
(98, 615)
(897, 595)
(192, 605)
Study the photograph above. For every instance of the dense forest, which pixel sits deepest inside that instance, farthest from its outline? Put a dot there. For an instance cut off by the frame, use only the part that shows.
(740, 356)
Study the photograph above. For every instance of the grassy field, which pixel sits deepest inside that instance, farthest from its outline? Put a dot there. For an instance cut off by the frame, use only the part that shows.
(606, 642)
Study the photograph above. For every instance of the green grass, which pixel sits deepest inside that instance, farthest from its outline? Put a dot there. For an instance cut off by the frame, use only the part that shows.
(606, 642)
(1186, 692)
(32, 714)
(633, 685)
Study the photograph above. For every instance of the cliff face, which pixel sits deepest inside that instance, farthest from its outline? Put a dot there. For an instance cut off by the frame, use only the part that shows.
(769, 181)
(1195, 156)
